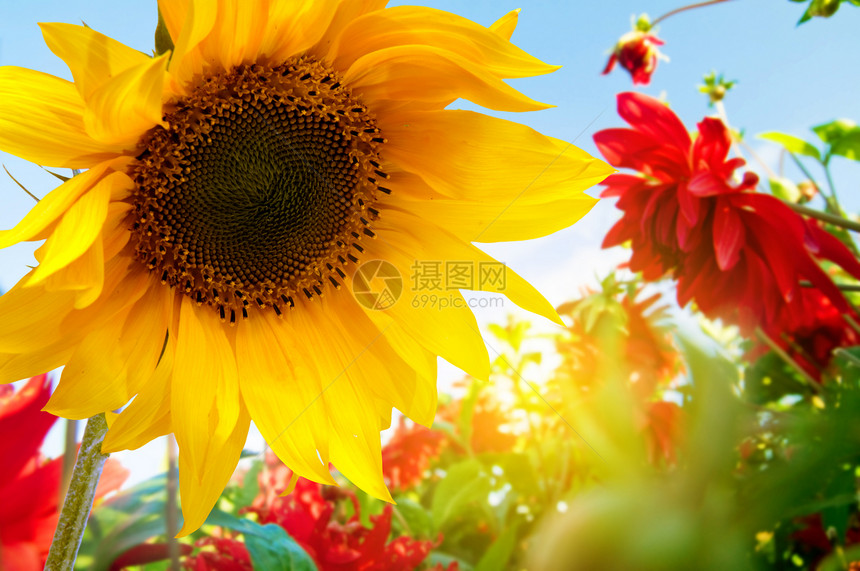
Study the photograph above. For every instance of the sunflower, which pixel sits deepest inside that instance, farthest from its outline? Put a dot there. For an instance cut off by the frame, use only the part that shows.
(204, 262)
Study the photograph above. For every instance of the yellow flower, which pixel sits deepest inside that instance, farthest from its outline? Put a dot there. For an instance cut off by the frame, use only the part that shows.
(204, 262)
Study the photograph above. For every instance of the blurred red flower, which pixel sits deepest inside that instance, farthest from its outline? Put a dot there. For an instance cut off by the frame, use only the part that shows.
(488, 420)
(312, 515)
(638, 53)
(739, 255)
(29, 482)
(662, 425)
(407, 455)
(226, 555)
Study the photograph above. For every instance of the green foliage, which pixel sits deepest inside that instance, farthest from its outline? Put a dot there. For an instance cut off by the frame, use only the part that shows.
(822, 8)
(793, 144)
(269, 545)
(128, 519)
(716, 87)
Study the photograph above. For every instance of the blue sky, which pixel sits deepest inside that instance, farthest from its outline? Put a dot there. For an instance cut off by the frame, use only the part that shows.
(790, 79)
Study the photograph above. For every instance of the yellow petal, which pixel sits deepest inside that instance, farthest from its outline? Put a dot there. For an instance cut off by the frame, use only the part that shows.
(18, 366)
(282, 395)
(349, 367)
(125, 107)
(205, 389)
(144, 334)
(506, 25)
(451, 333)
(42, 120)
(93, 58)
(355, 447)
(404, 379)
(174, 13)
(116, 232)
(94, 379)
(427, 74)
(199, 495)
(473, 269)
(79, 228)
(31, 316)
(55, 204)
(293, 27)
(235, 38)
(341, 17)
(84, 276)
(189, 22)
(415, 25)
(471, 156)
(148, 415)
(126, 280)
(497, 220)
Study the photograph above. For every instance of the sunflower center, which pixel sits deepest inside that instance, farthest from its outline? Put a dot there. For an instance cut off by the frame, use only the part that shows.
(260, 188)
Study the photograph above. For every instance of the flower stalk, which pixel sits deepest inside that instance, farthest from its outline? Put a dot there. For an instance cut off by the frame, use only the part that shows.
(824, 217)
(79, 498)
(685, 8)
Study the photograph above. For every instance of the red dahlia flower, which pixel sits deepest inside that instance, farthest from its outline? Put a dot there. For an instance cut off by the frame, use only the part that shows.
(740, 255)
(29, 482)
(637, 52)
(310, 515)
(407, 455)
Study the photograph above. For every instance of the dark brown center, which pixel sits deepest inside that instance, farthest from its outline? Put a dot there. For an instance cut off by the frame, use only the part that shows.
(260, 189)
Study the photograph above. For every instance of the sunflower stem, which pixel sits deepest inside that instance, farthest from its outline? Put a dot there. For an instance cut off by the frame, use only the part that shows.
(685, 8)
(79, 498)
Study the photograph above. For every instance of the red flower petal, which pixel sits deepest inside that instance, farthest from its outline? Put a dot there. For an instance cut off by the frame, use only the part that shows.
(650, 116)
(729, 236)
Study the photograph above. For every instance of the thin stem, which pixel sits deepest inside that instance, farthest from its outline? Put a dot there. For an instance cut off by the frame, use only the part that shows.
(79, 498)
(802, 168)
(843, 287)
(847, 355)
(172, 508)
(809, 381)
(850, 320)
(685, 8)
(832, 188)
(823, 216)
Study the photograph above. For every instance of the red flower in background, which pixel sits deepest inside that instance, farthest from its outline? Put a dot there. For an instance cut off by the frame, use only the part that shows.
(226, 555)
(638, 53)
(649, 357)
(30, 483)
(488, 420)
(310, 515)
(407, 455)
(739, 255)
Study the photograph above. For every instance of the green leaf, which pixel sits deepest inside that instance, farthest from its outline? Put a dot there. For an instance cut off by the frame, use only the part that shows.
(271, 548)
(769, 379)
(464, 484)
(499, 553)
(834, 130)
(792, 144)
(416, 517)
(163, 41)
(269, 545)
(250, 487)
(836, 561)
(784, 189)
